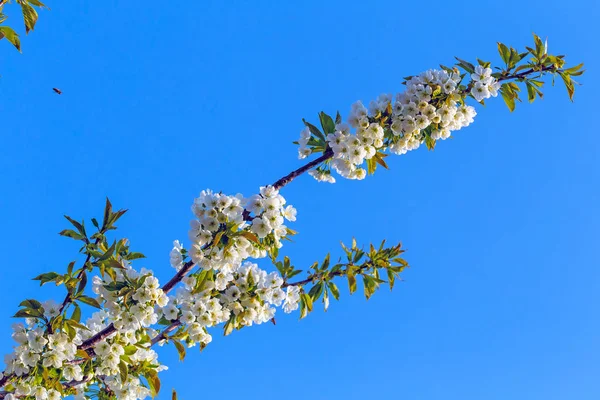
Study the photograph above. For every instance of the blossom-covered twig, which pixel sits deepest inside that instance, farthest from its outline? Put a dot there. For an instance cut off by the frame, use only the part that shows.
(111, 353)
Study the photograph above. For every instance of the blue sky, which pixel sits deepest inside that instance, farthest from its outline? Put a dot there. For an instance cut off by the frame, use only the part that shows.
(163, 100)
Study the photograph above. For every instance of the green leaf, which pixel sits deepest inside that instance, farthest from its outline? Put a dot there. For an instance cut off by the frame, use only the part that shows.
(575, 70)
(539, 45)
(379, 159)
(77, 225)
(31, 303)
(30, 16)
(325, 263)
(316, 291)
(306, 305)
(351, 282)
(430, 142)
(568, 84)
(508, 98)
(250, 236)
(391, 278)
(70, 267)
(76, 316)
(484, 64)
(107, 214)
(95, 223)
(228, 328)
(76, 324)
(47, 277)
(72, 234)
(334, 290)
(153, 382)
(467, 66)
(82, 282)
(11, 36)
(113, 264)
(515, 57)
(504, 52)
(83, 354)
(338, 118)
(27, 313)
(314, 130)
(124, 371)
(371, 166)
(531, 92)
(180, 349)
(327, 123)
(135, 256)
(369, 286)
(115, 216)
(108, 253)
(37, 3)
(89, 301)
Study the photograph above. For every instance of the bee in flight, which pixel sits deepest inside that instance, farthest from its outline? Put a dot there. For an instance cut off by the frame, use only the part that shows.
(57, 91)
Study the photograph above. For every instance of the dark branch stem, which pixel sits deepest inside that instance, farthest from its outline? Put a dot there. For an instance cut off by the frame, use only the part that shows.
(178, 276)
(294, 174)
(550, 68)
(163, 334)
(329, 275)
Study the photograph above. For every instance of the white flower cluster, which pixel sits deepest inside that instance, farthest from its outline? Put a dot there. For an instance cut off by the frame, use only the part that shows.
(216, 211)
(430, 105)
(38, 348)
(270, 212)
(132, 321)
(109, 353)
(128, 318)
(350, 151)
(303, 149)
(35, 345)
(240, 289)
(322, 175)
(485, 85)
(243, 291)
(213, 212)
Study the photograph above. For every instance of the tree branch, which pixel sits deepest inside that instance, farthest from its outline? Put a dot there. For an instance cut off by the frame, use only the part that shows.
(294, 174)
(282, 182)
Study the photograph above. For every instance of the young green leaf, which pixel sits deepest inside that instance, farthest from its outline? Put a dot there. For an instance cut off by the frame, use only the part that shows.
(11, 36)
(326, 123)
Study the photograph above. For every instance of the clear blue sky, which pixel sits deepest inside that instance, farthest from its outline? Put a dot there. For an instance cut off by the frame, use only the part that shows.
(162, 100)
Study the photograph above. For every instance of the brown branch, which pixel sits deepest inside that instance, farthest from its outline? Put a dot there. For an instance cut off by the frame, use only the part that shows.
(187, 267)
(550, 68)
(68, 298)
(294, 174)
(329, 275)
(163, 334)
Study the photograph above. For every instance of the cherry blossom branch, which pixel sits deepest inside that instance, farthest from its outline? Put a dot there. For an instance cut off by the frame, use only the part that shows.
(282, 182)
(321, 276)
